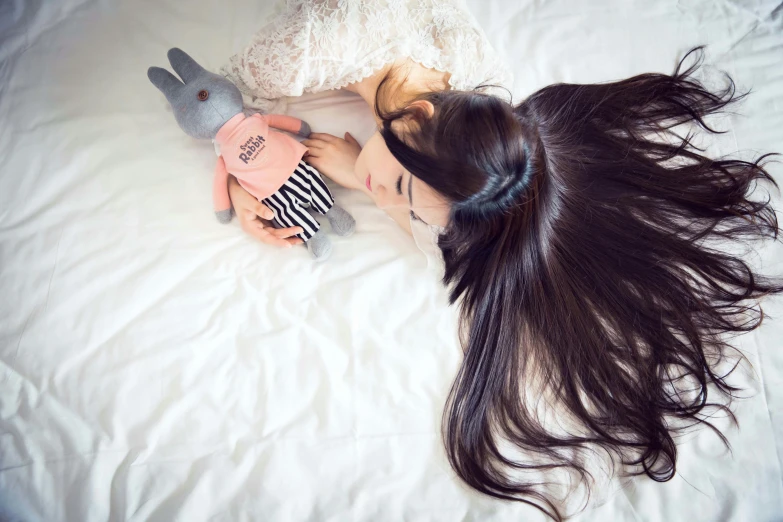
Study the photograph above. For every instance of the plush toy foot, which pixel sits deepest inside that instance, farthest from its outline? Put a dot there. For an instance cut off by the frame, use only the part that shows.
(223, 216)
(342, 222)
(319, 246)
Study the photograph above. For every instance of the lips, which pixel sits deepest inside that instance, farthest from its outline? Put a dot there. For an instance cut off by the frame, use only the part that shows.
(367, 182)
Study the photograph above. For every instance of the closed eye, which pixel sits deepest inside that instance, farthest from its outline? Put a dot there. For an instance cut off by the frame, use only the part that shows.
(410, 197)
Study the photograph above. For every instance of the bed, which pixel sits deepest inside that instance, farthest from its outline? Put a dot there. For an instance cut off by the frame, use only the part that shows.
(158, 366)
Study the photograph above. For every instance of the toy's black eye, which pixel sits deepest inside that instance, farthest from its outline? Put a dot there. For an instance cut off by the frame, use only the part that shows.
(203, 94)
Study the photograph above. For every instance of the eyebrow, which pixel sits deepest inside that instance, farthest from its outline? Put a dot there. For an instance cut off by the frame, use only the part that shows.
(410, 185)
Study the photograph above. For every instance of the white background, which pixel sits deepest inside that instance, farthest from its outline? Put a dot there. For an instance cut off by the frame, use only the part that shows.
(155, 365)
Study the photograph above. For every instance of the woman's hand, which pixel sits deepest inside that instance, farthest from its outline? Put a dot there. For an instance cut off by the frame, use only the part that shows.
(334, 157)
(255, 218)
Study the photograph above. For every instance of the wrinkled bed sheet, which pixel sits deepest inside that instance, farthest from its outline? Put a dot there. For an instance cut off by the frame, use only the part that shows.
(155, 365)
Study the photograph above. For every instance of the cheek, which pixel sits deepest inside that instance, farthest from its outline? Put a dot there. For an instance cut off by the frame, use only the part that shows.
(367, 162)
(362, 162)
(384, 200)
(435, 216)
(376, 156)
(360, 165)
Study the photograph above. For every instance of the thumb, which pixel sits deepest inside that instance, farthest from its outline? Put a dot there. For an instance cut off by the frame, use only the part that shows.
(263, 211)
(350, 138)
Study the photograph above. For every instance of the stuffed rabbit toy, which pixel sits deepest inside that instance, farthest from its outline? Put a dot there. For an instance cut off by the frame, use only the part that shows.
(268, 164)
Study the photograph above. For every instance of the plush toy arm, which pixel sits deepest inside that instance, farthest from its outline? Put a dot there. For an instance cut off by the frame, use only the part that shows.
(288, 123)
(220, 198)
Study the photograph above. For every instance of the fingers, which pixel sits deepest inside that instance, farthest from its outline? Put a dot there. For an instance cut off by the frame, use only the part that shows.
(264, 232)
(314, 161)
(284, 233)
(314, 144)
(318, 142)
(328, 138)
(271, 236)
(263, 211)
(255, 210)
(313, 148)
(255, 230)
(265, 237)
(249, 215)
(283, 237)
(251, 212)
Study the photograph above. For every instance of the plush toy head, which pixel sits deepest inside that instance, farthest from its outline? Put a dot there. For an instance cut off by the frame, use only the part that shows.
(204, 102)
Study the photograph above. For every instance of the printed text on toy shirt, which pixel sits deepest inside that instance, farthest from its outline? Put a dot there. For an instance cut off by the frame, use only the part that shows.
(251, 148)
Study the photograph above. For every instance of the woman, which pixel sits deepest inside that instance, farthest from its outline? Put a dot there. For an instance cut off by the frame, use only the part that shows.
(321, 45)
(577, 232)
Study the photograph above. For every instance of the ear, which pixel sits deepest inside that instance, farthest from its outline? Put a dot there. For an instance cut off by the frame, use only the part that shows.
(425, 105)
(184, 65)
(165, 81)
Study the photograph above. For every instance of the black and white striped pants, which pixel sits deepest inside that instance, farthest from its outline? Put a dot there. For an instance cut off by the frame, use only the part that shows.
(305, 188)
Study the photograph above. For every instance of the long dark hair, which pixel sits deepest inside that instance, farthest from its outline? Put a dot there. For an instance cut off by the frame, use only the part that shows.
(580, 248)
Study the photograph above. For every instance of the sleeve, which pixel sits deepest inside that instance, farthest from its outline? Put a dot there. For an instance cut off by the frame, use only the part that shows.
(318, 46)
(286, 123)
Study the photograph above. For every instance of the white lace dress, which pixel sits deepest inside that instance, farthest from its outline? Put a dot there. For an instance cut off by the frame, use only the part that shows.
(317, 45)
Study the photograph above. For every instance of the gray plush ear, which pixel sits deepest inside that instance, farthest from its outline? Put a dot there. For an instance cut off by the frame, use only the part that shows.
(184, 65)
(165, 81)
(194, 116)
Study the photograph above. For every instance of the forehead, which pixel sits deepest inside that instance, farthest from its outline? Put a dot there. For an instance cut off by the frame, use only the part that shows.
(427, 203)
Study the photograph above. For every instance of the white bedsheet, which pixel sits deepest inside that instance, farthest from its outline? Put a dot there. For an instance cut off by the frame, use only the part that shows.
(155, 365)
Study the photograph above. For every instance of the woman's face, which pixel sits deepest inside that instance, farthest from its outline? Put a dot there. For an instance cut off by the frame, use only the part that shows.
(393, 186)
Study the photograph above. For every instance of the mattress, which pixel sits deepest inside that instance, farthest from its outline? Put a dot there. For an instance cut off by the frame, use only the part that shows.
(155, 365)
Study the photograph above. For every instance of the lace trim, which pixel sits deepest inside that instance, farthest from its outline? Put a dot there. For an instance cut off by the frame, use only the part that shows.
(310, 46)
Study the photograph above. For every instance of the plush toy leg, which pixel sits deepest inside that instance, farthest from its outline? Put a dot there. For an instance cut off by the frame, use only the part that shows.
(342, 222)
(224, 216)
(319, 246)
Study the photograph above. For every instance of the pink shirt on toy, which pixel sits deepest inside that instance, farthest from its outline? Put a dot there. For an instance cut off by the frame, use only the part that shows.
(260, 158)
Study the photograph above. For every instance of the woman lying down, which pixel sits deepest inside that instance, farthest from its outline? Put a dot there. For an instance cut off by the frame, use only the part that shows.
(577, 230)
